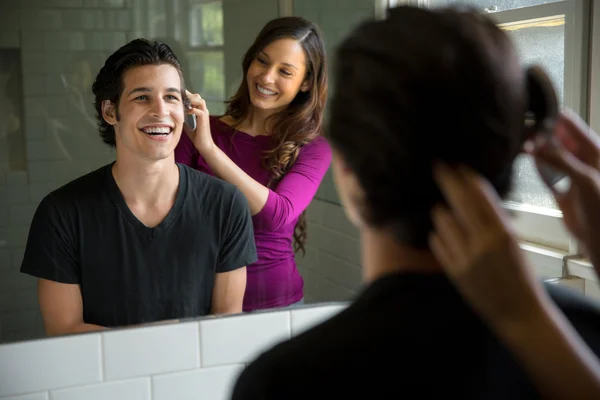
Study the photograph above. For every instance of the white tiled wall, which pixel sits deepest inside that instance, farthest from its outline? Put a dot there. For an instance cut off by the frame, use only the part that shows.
(220, 341)
(331, 266)
(190, 360)
(57, 39)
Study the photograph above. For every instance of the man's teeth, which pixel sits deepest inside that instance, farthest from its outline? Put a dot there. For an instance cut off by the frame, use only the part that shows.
(155, 130)
(265, 91)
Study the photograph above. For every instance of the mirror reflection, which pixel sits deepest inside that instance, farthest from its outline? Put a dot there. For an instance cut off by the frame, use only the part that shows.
(258, 93)
(101, 228)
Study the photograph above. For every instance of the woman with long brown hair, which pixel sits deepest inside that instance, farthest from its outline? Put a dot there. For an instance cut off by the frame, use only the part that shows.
(269, 144)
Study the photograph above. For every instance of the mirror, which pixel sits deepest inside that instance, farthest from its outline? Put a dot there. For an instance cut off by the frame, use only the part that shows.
(49, 58)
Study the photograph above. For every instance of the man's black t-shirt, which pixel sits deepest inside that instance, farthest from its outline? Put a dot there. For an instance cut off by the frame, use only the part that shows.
(406, 336)
(84, 233)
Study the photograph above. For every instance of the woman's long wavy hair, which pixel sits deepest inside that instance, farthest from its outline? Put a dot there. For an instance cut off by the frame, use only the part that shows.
(300, 122)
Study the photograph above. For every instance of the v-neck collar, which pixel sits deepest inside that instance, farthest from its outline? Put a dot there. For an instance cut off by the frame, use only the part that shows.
(148, 233)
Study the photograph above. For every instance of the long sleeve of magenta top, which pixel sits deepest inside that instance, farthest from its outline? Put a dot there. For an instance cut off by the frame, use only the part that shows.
(273, 281)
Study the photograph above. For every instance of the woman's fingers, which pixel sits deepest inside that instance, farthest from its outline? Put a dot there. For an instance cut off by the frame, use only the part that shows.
(563, 161)
(196, 100)
(461, 198)
(484, 198)
(449, 237)
(578, 138)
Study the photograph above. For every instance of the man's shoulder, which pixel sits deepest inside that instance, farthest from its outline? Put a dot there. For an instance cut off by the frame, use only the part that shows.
(204, 182)
(87, 186)
(203, 186)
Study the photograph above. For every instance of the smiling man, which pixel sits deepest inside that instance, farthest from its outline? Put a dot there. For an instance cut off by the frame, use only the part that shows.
(142, 239)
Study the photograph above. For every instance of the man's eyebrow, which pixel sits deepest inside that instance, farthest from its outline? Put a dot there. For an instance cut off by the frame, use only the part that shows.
(138, 90)
(148, 90)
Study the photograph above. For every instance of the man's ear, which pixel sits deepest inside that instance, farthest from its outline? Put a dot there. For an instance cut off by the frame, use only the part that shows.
(109, 112)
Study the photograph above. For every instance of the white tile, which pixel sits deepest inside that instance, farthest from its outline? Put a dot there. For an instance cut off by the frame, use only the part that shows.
(346, 274)
(304, 319)
(41, 20)
(206, 383)
(592, 289)
(574, 283)
(145, 351)
(16, 178)
(49, 364)
(5, 260)
(329, 290)
(239, 339)
(9, 20)
(21, 214)
(335, 243)
(9, 39)
(314, 211)
(135, 389)
(312, 281)
(582, 269)
(334, 217)
(309, 259)
(34, 396)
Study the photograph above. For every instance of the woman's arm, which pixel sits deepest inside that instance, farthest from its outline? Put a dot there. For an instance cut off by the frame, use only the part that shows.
(223, 167)
(474, 242)
(557, 360)
(271, 209)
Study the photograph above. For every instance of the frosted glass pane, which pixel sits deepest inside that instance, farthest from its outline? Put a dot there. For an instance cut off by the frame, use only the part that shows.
(541, 43)
(501, 5)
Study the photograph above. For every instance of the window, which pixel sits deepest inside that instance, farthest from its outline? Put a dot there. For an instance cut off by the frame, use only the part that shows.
(205, 55)
(194, 30)
(500, 5)
(552, 33)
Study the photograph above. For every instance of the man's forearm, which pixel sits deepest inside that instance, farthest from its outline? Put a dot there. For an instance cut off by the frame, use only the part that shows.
(226, 309)
(79, 328)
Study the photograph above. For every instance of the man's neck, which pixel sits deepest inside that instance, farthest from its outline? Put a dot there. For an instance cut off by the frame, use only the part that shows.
(383, 255)
(146, 183)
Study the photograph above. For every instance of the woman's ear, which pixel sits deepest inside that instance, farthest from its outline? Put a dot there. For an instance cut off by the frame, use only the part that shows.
(306, 85)
(109, 112)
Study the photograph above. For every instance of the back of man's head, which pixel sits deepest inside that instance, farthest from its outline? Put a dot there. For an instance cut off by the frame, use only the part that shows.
(419, 87)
